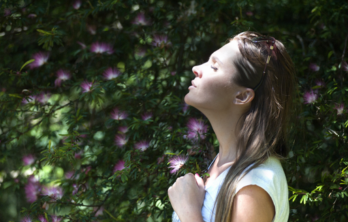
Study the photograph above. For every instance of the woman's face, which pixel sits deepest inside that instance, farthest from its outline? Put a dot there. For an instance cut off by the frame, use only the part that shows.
(212, 88)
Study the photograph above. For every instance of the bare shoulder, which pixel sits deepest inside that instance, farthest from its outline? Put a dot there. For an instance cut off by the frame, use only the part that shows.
(252, 203)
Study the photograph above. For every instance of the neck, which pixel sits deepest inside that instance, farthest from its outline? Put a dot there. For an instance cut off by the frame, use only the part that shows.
(225, 127)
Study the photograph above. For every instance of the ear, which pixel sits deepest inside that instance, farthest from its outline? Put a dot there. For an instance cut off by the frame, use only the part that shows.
(244, 96)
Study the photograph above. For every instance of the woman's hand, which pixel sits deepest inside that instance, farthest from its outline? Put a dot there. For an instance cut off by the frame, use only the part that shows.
(187, 196)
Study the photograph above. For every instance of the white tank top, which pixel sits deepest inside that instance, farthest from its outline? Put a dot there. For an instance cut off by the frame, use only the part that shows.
(269, 176)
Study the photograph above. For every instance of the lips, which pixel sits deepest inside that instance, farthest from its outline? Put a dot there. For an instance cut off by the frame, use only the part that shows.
(193, 84)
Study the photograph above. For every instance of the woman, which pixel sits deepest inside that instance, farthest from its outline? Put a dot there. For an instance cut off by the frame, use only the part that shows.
(245, 90)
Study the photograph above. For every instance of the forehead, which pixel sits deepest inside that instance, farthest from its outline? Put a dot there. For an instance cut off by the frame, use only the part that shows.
(228, 52)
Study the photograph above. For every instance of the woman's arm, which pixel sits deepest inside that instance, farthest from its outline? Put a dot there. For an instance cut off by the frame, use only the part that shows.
(252, 203)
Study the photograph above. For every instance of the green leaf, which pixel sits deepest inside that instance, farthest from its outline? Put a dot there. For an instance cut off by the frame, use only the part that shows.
(28, 62)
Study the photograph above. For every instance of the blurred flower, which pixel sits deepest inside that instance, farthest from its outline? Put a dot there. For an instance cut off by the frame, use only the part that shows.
(314, 67)
(119, 166)
(196, 127)
(28, 99)
(161, 159)
(28, 159)
(123, 129)
(87, 169)
(40, 59)
(160, 41)
(53, 192)
(146, 116)
(75, 189)
(177, 162)
(101, 47)
(7, 12)
(99, 212)
(120, 140)
(140, 19)
(320, 83)
(249, 13)
(111, 73)
(32, 189)
(69, 174)
(56, 219)
(140, 52)
(43, 97)
(42, 218)
(310, 96)
(185, 107)
(339, 108)
(78, 155)
(142, 145)
(118, 115)
(92, 29)
(26, 219)
(77, 4)
(32, 16)
(83, 46)
(344, 66)
(86, 86)
(62, 75)
(173, 73)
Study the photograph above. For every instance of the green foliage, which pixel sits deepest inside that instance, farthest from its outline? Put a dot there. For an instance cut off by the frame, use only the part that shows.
(70, 132)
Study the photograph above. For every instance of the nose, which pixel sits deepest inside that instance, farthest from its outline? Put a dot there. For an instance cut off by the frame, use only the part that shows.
(196, 70)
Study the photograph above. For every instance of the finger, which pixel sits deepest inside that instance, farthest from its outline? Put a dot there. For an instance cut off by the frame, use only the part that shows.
(199, 181)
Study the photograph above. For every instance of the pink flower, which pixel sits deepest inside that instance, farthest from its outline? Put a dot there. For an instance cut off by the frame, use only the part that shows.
(83, 46)
(146, 116)
(185, 107)
(40, 59)
(32, 16)
(7, 12)
(101, 48)
(314, 67)
(320, 83)
(249, 13)
(161, 159)
(53, 192)
(161, 41)
(118, 115)
(140, 52)
(28, 159)
(142, 145)
(26, 219)
(344, 66)
(120, 140)
(75, 189)
(173, 73)
(62, 75)
(177, 162)
(92, 29)
(119, 166)
(42, 218)
(99, 212)
(339, 108)
(123, 129)
(78, 154)
(32, 189)
(310, 96)
(196, 128)
(43, 97)
(69, 174)
(77, 4)
(28, 99)
(86, 86)
(140, 19)
(87, 169)
(56, 219)
(111, 73)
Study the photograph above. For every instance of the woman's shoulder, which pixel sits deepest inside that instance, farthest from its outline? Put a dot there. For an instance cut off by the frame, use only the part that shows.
(268, 174)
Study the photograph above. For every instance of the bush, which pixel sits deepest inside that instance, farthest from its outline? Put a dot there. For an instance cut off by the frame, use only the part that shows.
(93, 123)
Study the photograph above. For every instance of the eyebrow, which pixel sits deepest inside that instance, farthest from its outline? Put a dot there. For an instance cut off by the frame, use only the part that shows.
(217, 59)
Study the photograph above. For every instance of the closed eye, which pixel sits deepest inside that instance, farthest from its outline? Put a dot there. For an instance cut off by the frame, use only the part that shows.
(214, 68)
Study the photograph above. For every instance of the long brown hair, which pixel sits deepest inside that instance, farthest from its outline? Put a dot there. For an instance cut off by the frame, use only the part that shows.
(265, 125)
